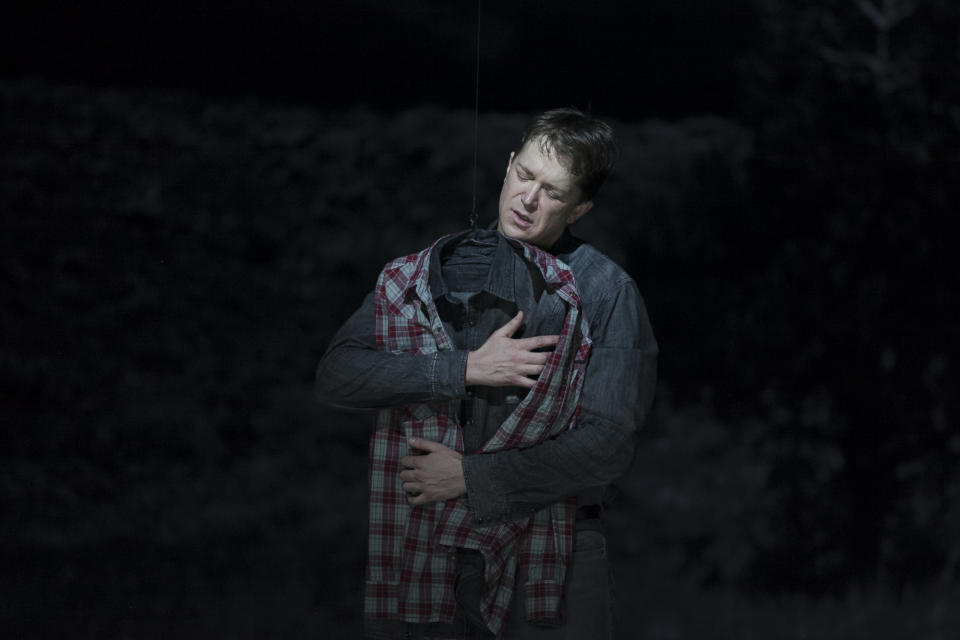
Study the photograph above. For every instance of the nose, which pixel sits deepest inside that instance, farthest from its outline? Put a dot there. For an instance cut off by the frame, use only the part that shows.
(531, 197)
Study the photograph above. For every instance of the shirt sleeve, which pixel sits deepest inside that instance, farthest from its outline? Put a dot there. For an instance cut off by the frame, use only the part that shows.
(616, 398)
(354, 374)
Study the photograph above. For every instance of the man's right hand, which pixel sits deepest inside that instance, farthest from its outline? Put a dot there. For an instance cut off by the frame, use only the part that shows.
(504, 362)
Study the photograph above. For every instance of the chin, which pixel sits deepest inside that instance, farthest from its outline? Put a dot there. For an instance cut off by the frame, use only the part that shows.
(519, 234)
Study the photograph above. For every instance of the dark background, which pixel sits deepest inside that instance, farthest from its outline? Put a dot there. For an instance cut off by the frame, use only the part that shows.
(195, 195)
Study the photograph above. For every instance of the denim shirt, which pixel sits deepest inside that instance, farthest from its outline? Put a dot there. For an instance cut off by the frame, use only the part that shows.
(617, 393)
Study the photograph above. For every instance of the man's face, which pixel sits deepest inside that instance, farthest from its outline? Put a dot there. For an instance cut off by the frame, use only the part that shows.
(540, 197)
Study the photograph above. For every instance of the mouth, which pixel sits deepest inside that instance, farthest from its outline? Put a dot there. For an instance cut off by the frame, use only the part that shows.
(521, 220)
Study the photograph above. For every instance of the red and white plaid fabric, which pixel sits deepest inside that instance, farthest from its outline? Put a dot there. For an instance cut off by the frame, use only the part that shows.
(411, 563)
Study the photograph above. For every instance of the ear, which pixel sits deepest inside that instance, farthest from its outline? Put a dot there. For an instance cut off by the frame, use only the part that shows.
(509, 164)
(579, 211)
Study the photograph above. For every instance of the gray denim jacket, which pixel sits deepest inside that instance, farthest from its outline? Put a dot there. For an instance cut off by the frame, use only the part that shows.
(616, 398)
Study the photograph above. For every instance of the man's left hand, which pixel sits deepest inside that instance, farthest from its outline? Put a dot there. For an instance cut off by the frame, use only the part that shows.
(434, 475)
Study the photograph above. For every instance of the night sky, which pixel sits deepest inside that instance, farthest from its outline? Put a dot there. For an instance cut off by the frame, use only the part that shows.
(626, 59)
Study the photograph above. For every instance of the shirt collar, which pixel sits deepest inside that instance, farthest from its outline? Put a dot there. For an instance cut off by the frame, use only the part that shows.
(564, 245)
(500, 282)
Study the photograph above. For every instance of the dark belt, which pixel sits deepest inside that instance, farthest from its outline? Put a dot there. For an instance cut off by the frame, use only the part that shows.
(584, 512)
(588, 512)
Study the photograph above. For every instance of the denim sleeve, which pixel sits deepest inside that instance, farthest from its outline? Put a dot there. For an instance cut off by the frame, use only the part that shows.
(354, 374)
(617, 395)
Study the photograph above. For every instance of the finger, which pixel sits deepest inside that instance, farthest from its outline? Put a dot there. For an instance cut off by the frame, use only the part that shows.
(408, 475)
(425, 445)
(417, 497)
(537, 342)
(511, 327)
(532, 369)
(536, 357)
(411, 487)
(522, 381)
(409, 462)
(417, 500)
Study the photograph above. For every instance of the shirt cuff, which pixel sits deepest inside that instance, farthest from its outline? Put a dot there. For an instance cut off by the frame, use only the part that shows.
(448, 375)
(488, 502)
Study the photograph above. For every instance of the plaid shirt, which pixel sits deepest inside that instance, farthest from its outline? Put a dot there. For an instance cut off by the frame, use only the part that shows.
(411, 564)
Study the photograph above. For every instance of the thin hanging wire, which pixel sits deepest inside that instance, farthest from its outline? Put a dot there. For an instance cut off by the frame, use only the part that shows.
(476, 126)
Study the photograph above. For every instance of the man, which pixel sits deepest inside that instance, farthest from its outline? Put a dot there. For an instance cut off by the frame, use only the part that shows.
(487, 301)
